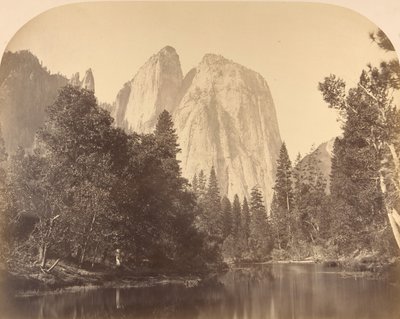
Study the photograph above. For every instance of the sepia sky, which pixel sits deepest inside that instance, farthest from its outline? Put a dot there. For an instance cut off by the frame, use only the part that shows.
(292, 45)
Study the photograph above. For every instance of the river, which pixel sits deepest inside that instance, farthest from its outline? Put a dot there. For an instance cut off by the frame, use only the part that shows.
(279, 291)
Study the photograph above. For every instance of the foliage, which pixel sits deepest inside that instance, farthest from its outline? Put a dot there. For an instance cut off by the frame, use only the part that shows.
(92, 189)
(4, 218)
(365, 171)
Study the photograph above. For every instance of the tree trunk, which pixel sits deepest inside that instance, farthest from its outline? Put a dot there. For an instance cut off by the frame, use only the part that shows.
(53, 266)
(83, 254)
(118, 259)
(396, 160)
(395, 227)
(394, 217)
(43, 255)
(87, 239)
(95, 254)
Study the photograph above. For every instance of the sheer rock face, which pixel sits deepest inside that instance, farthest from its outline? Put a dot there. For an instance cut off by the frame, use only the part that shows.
(26, 89)
(226, 119)
(223, 113)
(153, 89)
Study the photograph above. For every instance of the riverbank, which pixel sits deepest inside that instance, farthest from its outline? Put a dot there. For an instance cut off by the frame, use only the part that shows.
(30, 280)
(358, 264)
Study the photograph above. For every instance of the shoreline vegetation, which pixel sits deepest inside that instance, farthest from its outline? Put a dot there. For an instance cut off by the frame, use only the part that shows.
(68, 277)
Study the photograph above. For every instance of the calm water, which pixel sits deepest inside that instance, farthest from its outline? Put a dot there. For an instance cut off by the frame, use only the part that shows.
(267, 291)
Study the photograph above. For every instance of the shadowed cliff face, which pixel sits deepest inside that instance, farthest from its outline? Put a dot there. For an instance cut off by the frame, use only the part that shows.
(26, 89)
(224, 116)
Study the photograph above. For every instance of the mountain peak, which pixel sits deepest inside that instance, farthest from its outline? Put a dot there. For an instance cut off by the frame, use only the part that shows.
(211, 58)
(167, 50)
(88, 80)
(153, 89)
(221, 113)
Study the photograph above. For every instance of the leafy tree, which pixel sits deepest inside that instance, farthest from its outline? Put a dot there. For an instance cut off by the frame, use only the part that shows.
(98, 194)
(4, 202)
(79, 148)
(33, 194)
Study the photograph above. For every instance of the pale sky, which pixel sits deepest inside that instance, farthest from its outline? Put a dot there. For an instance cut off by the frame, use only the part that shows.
(292, 45)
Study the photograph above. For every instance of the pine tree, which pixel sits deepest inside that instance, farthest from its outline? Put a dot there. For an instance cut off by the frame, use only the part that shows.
(226, 209)
(283, 181)
(195, 184)
(237, 227)
(279, 221)
(281, 214)
(246, 220)
(199, 188)
(168, 148)
(213, 210)
(166, 135)
(260, 241)
(202, 181)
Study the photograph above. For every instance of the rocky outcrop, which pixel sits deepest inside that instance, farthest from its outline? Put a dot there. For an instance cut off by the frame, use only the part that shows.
(87, 81)
(223, 112)
(153, 89)
(322, 157)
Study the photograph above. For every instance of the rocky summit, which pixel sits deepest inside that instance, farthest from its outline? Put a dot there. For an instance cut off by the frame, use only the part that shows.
(223, 112)
(87, 81)
(153, 89)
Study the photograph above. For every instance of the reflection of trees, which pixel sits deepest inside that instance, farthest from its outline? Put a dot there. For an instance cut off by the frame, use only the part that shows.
(275, 292)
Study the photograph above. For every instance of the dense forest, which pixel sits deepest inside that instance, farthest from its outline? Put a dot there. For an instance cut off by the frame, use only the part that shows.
(91, 194)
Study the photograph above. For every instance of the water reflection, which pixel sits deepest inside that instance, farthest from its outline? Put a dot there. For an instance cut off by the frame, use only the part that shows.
(267, 291)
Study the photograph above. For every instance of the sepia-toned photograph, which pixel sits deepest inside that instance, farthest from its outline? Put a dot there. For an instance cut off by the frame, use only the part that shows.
(210, 160)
